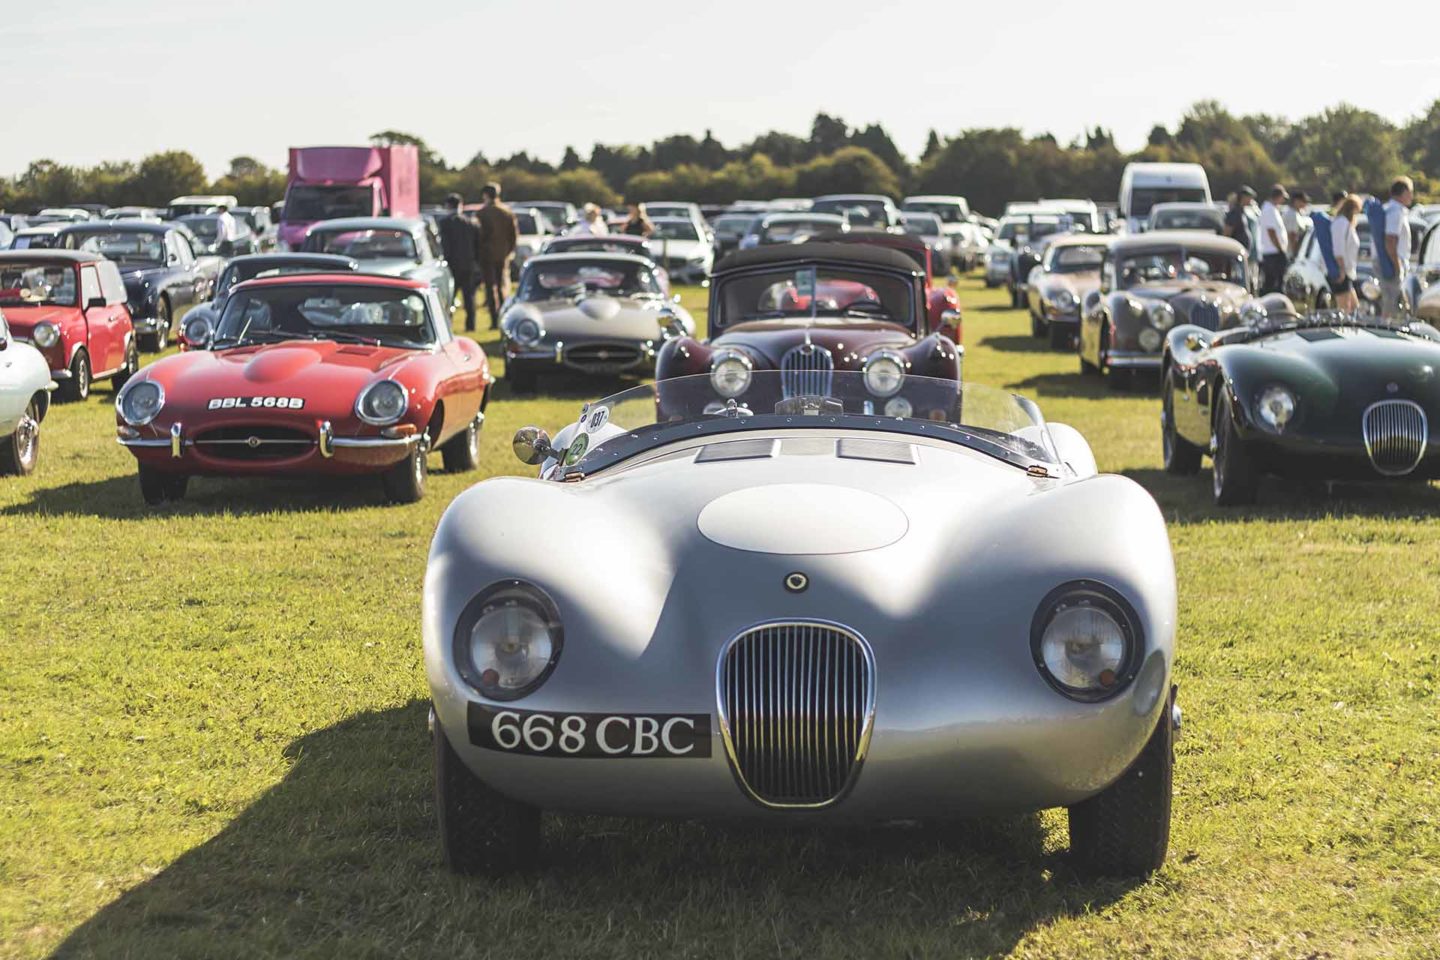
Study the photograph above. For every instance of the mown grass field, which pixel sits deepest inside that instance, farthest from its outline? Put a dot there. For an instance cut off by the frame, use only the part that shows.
(212, 738)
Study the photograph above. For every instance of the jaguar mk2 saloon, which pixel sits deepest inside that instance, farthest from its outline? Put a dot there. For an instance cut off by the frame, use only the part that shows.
(1322, 396)
(804, 612)
(329, 374)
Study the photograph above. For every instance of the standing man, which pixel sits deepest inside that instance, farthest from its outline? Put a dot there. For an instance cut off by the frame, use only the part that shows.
(1397, 244)
(225, 231)
(1274, 244)
(498, 233)
(1236, 226)
(1297, 218)
(460, 238)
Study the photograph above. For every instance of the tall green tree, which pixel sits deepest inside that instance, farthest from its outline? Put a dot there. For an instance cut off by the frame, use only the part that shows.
(1347, 148)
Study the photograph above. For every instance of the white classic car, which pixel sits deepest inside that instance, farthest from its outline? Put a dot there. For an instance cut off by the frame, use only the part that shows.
(25, 387)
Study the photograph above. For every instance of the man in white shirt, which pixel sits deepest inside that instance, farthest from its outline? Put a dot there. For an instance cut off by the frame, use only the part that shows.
(1297, 218)
(1397, 243)
(1274, 242)
(225, 232)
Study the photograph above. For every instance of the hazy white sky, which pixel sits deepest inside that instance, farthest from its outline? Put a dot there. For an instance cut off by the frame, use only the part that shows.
(91, 80)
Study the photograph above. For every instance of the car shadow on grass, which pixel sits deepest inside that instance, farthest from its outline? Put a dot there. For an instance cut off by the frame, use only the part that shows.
(1086, 386)
(1189, 499)
(342, 858)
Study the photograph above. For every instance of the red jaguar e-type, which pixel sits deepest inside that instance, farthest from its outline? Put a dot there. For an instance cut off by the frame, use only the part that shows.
(310, 373)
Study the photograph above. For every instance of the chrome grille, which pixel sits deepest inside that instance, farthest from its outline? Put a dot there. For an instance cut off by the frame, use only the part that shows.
(1205, 313)
(797, 701)
(603, 357)
(806, 371)
(258, 442)
(1395, 432)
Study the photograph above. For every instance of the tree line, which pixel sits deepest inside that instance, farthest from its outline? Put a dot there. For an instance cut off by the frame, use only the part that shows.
(1340, 148)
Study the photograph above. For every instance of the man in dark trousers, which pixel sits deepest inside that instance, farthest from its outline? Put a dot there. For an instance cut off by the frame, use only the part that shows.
(497, 244)
(460, 238)
(1236, 225)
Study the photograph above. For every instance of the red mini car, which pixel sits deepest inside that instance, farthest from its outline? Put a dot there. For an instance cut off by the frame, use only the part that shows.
(310, 373)
(71, 306)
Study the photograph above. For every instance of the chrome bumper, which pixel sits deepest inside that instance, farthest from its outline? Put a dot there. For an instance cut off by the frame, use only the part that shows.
(327, 442)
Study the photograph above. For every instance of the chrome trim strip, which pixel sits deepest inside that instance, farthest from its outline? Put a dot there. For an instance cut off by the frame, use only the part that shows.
(1138, 361)
(138, 442)
(373, 443)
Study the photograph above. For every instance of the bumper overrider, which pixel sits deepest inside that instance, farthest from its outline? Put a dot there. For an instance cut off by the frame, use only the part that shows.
(258, 447)
(879, 729)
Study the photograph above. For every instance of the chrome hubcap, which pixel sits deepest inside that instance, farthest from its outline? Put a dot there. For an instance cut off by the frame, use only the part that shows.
(26, 435)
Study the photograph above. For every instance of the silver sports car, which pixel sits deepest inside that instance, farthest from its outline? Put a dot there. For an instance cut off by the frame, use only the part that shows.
(788, 607)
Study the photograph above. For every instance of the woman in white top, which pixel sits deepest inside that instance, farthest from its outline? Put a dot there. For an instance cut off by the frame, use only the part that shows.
(592, 223)
(1345, 243)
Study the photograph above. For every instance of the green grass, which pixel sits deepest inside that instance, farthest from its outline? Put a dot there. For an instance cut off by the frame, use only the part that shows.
(212, 738)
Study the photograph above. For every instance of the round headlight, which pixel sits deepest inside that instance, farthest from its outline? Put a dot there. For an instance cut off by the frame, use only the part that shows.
(730, 374)
(526, 331)
(197, 332)
(140, 402)
(1253, 314)
(1162, 316)
(381, 403)
(1276, 407)
(1085, 641)
(1064, 301)
(1149, 339)
(898, 407)
(46, 334)
(507, 640)
(884, 373)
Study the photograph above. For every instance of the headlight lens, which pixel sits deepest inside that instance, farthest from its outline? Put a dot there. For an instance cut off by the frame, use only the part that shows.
(381, 403)
(884, 373)
(1253, 314)
(526, 331)
(508, 640)
(1064, 301)
(1149, 339)
(1162, 316)
(730, 374)
(1276, 407)
(140, 402)
(46, 335)
(197, 332)
(1086, 641)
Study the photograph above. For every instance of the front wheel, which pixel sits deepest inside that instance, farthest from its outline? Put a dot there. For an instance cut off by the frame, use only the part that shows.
(405, 482)
(20, 451)
(1181, 457)
(1124, 830)
(78, 386)
(157, 487)
(1037, 327)
(1236, 481)
(462, 451)
(481, 832)
(1061, 337)
(132, 366)
(160, 339)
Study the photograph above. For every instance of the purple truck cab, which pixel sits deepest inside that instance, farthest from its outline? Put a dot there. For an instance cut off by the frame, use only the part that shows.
(330, 182)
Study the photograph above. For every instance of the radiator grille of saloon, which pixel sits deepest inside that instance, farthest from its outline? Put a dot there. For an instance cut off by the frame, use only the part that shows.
(1205, 313)
(1395, 432)
(796, 703)
(253, 443)
(603, 357)
(806, 371)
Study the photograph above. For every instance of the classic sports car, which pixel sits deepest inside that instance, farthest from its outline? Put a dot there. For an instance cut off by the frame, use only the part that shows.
(681, 248)
(71, 306)
(1186, 215)
(1422, 284)
(200, 322)
(812, 309)
(1068, 271)
(163, 277)
(206, 228)
(610, 243)
(311, 373)
(800, 611)
(1149, 282)
(389, 245)
(25, 387)
(597, 313)
(1323, 396)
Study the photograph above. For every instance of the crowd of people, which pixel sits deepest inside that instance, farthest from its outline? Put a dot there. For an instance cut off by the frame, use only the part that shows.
(1281, 224)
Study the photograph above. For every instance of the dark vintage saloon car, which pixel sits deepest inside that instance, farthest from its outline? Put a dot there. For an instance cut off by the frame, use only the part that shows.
(163, 277)
(1324, 396)
(1150, 283)
(811, 309)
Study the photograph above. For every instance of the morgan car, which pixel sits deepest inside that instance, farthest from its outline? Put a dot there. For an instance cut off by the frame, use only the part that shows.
(25, 387)
(331, 374)
(813, 309)
(1150, 283)
(71, 306)
(592, 313)
(1321, 396)
(803, 613)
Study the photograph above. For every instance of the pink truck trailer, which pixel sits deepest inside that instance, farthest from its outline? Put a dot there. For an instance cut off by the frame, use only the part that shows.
(330, 182)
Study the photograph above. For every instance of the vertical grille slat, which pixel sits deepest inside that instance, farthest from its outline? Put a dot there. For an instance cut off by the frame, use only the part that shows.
(1395, 432)
(797, 702)
(806, 370)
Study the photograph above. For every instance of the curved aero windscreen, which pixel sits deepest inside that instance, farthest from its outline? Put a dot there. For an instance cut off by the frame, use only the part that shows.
(318, 311)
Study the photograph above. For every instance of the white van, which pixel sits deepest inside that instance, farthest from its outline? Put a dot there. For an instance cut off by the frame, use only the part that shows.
(1083, 213)
(1143, 185)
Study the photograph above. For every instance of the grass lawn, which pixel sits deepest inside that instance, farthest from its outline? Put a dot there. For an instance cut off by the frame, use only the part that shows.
(212, 737)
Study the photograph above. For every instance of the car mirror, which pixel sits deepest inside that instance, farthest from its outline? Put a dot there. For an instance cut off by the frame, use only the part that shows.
(532, 446)
(94, 302)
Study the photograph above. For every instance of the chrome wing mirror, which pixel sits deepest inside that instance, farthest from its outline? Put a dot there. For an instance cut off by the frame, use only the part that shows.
(532, 446)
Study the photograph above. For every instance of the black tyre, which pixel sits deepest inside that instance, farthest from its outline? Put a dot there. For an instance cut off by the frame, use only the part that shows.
(1037, 327)
(160, 339)
(157, 487)
(78, 386)
(20, 451)
(481, 832)
(1124, 830)
(1180, 455)
(405, 482)
(132, 366)
(462, 451)
(1236, 481)
(521, 381)
(1061, 337)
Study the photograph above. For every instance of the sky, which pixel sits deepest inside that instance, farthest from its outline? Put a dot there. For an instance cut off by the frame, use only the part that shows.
(93, 80)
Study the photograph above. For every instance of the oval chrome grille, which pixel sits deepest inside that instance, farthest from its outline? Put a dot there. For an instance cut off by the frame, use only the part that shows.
(797, 701)
(806, 371)
(1395, 433)
(258, 442)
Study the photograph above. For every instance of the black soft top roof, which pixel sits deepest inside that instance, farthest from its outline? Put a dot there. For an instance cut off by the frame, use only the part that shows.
(857, 253)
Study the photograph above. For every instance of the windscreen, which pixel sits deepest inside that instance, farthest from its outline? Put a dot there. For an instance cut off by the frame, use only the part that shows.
(1159, 266)
(206, 228)
(674, 230)
(363, 244)
(922, 226)
(1210, 220)
(307, 202)
(860, 211)
(571, 279)
(947, 212)
(1070, 259)
(123, 246)
(367, 313)
(836, 293)
(789, 230)
(33, 284)
(1143, 198)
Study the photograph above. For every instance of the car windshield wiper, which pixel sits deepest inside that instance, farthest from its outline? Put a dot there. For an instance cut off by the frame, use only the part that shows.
(344, 335)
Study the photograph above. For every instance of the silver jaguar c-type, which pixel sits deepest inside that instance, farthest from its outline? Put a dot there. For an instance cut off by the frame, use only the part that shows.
(791, 607)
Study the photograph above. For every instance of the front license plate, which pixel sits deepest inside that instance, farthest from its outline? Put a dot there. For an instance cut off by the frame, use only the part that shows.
(590, 735)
